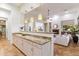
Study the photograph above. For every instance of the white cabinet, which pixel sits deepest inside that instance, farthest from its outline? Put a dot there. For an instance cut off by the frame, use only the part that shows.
(27, 47)
(15, 41)
(37, 51)
(46, 49)
(18, 42)
(31, 48)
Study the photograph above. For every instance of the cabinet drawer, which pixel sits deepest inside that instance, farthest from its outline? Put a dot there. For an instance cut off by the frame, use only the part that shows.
(27, 41)
(18, 42)
(15, 41)
(36, 51)
(27, 48)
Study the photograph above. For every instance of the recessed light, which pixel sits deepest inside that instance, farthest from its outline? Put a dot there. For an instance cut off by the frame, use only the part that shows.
(56, 16)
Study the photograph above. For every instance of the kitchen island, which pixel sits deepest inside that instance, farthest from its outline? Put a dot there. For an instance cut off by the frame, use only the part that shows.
(33, 44)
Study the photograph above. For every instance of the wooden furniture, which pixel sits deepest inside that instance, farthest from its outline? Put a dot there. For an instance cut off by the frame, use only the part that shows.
(33, 45)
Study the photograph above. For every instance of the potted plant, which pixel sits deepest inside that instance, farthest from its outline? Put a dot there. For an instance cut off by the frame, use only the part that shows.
(74, 30)
(71, 28)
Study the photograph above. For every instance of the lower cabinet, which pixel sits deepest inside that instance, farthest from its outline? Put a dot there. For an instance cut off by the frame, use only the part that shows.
(36, 51)
(18, 42)
(30, 48)
(27, 48)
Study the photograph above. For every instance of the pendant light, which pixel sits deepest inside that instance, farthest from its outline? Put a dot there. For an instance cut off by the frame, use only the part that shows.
(40, 17)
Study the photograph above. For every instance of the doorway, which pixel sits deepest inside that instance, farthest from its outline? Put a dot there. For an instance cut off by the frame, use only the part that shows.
(3, 29)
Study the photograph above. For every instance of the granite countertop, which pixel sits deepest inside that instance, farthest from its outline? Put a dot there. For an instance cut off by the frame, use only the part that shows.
(38, 40)
(36, 34)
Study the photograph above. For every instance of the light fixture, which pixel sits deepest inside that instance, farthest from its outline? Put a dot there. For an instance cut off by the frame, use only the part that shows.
(26, 21)
(31, 19)
(40, 17)
(55, 17)
(55, 26)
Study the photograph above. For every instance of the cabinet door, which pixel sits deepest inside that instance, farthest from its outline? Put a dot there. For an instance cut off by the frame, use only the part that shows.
(18, 42)
(27, 48)
(15, 40)
(36, 51)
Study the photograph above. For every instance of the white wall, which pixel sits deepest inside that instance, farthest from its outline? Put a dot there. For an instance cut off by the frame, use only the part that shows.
(4, 12)
(14, 18)
(56, 20)
(71, 17)
(14, 21)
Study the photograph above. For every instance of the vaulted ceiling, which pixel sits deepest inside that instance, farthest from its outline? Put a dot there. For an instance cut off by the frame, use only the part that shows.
(36, 8)
(54, 8)
(25, 7)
